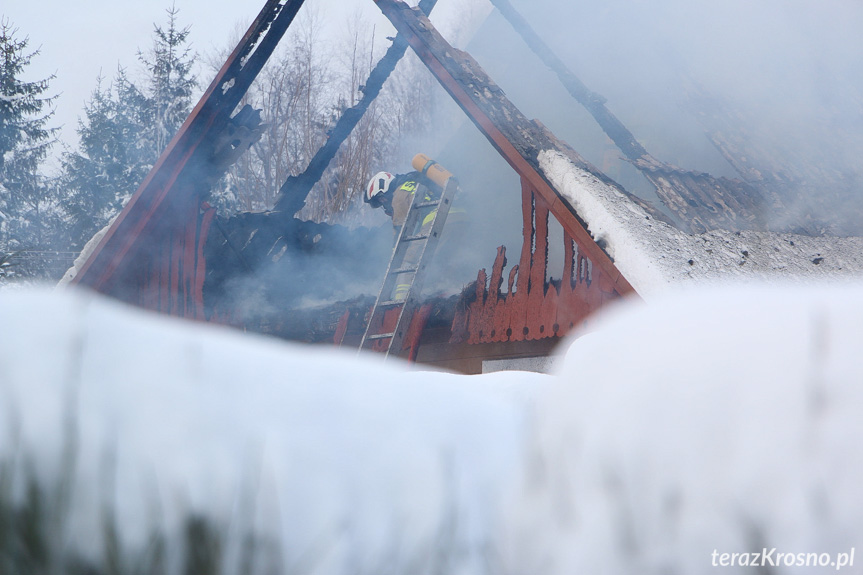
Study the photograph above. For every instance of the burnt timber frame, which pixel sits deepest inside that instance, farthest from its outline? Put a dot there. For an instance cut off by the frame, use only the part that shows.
(152, 254)
(294, 191)
(159, 211)
(533, 307)
(516, 138)
(530, 319)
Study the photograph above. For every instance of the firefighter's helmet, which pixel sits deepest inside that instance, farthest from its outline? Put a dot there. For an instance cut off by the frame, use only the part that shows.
(378, 186)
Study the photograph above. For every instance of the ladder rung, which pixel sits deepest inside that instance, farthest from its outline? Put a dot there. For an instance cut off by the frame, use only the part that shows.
(415, 238)
(392, 303)
(404, 271)
(426, 205)
(380, 336)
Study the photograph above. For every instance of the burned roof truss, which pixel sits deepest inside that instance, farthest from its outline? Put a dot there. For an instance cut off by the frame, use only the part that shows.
(153, 254)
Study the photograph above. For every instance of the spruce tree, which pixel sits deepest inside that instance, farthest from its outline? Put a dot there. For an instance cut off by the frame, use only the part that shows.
(113, 157)
(126, 127)
(171, 82)
(27, 198)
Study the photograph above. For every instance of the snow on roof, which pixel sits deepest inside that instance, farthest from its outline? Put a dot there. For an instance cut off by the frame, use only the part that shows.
(654, 256)
(85, 254)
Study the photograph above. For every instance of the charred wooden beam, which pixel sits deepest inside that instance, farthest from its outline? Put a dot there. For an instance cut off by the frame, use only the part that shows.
(295, 190)
(703, 202)
(516, 138)
(805, 195)
(252, 240)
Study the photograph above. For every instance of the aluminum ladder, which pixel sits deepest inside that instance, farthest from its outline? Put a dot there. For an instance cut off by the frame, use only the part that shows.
(419, 237)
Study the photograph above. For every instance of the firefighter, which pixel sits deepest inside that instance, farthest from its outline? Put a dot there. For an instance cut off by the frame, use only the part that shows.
(394, 193)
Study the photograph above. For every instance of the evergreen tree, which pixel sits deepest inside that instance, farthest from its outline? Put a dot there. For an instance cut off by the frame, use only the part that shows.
(171, 82)
(114, 157)
(126, 127)
(27, 198)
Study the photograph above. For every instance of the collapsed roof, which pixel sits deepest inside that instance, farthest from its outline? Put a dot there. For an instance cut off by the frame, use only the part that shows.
(650, 252)
(654, 255)
(156, 254)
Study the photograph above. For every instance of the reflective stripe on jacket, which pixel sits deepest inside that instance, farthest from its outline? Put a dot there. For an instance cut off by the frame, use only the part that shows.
(402, 198)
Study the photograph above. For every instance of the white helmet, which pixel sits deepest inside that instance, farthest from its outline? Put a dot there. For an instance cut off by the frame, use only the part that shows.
(378, 186)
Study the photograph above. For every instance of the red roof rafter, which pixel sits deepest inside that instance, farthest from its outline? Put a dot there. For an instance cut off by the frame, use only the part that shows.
(516, 138)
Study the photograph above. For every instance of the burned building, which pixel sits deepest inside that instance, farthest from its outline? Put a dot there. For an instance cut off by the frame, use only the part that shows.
(585, 240)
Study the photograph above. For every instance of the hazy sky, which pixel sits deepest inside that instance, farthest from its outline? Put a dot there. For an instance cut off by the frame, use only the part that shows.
(794, 61)
(80, 41)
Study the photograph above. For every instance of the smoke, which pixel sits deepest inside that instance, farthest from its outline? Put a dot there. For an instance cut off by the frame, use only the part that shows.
(487, 211)
(783, 78)
(262, 267)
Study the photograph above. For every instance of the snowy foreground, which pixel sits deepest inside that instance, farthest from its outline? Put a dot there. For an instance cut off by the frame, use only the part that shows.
(708, 422)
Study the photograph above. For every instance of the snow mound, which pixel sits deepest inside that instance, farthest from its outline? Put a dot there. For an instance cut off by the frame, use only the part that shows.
(724, 420)
(654, 256)
(342, 459)
(705, 422)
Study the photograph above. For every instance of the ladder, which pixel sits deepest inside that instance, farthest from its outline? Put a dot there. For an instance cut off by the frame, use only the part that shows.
(413, 252)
